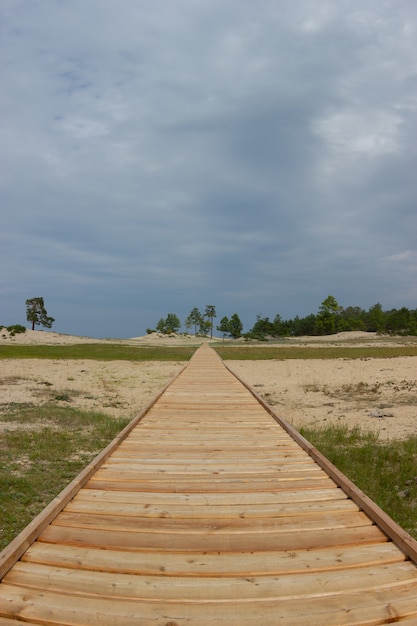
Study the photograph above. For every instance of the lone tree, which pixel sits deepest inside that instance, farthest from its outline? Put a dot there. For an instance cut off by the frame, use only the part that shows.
(210, 312)
(36, 313)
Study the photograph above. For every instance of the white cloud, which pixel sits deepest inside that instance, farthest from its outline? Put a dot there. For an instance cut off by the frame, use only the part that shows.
(406, 256)
(370, 133)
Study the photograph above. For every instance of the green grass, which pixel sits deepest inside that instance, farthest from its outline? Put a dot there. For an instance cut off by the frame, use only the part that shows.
(386, 472)
(256, 353)
(41, 450)
(98, 352)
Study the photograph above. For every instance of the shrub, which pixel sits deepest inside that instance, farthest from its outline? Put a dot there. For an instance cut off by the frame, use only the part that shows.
(16, 329)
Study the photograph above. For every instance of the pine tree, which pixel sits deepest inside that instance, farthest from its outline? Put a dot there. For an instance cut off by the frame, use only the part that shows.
(36, 313)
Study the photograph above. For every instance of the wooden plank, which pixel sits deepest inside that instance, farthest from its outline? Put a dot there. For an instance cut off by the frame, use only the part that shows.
(215, 525)
(180, 589)
(243, 563)
(142, 453)
(348, 608)
(201, 467)
(228, 511)
(212, 542)
(212, 500)
(213, 485)
(173, 464)
(283, 473)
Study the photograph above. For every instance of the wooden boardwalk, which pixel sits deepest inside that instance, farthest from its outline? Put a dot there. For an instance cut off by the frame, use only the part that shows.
(207, 511)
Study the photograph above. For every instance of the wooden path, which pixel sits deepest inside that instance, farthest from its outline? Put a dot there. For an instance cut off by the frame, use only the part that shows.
(208, 512)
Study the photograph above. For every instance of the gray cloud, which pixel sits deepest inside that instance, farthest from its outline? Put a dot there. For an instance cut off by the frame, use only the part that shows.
(160, 156)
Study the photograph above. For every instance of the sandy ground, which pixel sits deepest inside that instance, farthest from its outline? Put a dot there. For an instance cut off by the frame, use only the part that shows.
(376, 394)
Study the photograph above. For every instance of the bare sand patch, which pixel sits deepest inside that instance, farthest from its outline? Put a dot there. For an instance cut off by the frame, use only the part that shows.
(118, 388)
(375, 394)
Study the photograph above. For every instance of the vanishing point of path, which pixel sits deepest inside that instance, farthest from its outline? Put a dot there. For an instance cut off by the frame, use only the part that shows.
(208, 511)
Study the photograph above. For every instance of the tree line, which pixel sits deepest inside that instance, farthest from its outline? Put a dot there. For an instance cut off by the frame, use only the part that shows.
(331, 318)
(200, 323)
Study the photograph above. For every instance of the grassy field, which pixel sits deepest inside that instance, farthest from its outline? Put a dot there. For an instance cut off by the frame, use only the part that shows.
(98, 352)
(120, 352)
(255, 353)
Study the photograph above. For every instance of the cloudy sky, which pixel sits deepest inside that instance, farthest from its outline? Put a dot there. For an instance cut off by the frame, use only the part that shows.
(161, 155)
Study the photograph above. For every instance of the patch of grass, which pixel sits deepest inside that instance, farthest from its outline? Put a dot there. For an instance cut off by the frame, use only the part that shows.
(66, 395)
(47, 447)
(256, 353)
(98, 352)
(386, 472)
(364, 392)
(360, 390)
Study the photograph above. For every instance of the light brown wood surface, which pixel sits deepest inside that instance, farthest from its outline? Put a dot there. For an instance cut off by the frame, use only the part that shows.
(207, 511)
